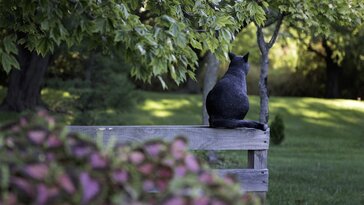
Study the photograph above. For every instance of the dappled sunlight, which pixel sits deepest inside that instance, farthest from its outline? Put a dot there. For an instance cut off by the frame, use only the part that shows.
(110, 111)
(316, 115)
(323, 123)
(319, 117)
(349, 105)
(164, 108)
(165, 104)
(53, 92)
(66, 94)
(162, 113)
(341, 104)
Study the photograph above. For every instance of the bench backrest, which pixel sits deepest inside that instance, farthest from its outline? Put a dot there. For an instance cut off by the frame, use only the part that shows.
(256, 142)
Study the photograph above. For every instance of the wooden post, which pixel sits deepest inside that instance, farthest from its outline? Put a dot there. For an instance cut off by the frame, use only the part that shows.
(258, 159)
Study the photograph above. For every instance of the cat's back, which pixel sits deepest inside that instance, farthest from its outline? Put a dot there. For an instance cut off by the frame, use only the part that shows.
(227, 99)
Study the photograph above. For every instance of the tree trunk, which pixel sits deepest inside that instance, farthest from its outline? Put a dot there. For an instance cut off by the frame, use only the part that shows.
(263, 89)
(89, 67)
(263, 79)
(333, 72)
(25, 84)
(211, 65)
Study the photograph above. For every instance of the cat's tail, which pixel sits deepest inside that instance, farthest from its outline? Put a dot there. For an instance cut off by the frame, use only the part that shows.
(231, 123)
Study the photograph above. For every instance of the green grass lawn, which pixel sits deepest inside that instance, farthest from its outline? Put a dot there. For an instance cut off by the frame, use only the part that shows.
(321, 160)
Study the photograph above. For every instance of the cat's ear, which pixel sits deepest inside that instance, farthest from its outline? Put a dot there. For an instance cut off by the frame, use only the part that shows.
(231, 55)
(246, 56)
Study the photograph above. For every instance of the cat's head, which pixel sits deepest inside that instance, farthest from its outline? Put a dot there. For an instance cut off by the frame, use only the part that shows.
(240, 61)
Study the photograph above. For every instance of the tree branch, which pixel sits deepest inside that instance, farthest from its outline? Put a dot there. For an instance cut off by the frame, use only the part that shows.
(273, 16)
(276, 31)
(263, 47)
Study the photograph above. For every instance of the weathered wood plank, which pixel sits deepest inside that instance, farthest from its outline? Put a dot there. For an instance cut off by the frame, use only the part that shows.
(257, 159)
(251, 180)
(200, 137)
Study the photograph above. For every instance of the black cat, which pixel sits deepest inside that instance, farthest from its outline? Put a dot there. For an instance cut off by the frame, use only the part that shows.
(227, 103)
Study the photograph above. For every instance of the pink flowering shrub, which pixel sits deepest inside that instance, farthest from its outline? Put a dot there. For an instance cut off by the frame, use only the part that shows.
(41, 163)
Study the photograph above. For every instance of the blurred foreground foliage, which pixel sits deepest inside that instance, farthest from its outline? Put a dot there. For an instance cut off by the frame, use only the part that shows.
(41, 163)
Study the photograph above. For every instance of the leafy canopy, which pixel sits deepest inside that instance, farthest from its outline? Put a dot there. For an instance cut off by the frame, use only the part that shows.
(157, 37)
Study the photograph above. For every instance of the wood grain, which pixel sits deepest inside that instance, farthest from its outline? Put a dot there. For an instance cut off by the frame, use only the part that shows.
(257, 159)
(199, 137)
(251, 180)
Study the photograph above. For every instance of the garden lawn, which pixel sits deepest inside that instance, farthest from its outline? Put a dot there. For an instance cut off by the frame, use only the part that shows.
(320, 162)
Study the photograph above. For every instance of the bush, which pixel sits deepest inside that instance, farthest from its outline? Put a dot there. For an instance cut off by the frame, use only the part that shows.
(97, 82)
(40, 163)
(277, 130)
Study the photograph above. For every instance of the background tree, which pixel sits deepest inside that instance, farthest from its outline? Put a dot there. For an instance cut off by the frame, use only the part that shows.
(334, 50)
(211, 66)
(157, 37)
(310, 16)
(353, 63)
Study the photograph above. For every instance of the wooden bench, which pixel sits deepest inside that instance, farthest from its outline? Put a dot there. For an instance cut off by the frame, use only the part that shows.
(254, 178)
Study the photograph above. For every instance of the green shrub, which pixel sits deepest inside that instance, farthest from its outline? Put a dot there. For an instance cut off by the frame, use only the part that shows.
(97, 82)
(277, 130)
(40, 163)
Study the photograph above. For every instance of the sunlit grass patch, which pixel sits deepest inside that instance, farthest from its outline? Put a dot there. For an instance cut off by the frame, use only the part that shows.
(166, 108)
(165, 104)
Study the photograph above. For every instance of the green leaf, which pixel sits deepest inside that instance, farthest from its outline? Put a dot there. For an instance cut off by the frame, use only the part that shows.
(44, 25)
(9, 44)
(226, 34)
(168, 18)
(222, 21)
(42, 47)
(164, 85)
(124, 10)
(173, 72)
(99, 25)
(212, 43)
(174, 30)
(8, 62)
(191, 74)
(196, 44)
(63, 31)
(265, 4)
(119, 36)
(141, 49)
